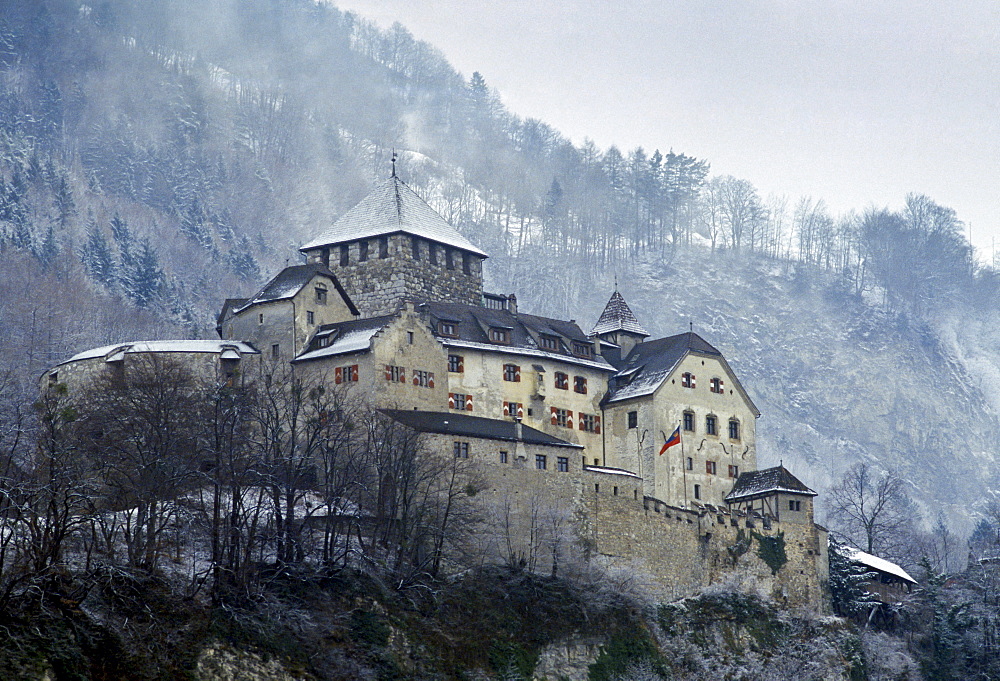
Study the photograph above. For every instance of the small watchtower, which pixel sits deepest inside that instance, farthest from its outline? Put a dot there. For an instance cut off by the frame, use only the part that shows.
(619, 326)
(393, 247)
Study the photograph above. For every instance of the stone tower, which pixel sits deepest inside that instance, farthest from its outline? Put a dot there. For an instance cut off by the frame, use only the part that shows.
(618, 325)
(393, 247)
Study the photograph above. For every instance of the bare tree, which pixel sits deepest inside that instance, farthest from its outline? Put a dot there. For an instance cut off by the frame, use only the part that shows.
(872, 511)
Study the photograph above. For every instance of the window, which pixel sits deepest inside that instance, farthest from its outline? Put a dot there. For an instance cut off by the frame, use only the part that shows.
(260, 318)
(395, 374)
(590, 423)
(794, 505)
(715, 386)
(580, 385)
(310, 317)
(467, 263)
(562, 417)
(345, 255)
(615, 490)
(423, 379)
(687, 380)
(503, 456)
(513, 409)
(734, 429)
(460, 401)
(320, 295)
(383, 247)
(562, 464)
(409, 338)
(540, 462)
(710, 467)
(362, 251)
(734, 471)
(582, 349)
(53, 378)
(690, 464)
(449, 259)
(448, 329)
(348, 374)
(711, 425)
(633, 419)
(500, 335)
(550, 343)
(456, 364)
(512, 372)
(562, 380)
(432, 253)
(415, 248)
(461, 450)
(275, 351)
(697, 491)
(689, 421)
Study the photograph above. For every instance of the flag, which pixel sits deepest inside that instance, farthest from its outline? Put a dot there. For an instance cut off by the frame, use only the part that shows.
(674, 439)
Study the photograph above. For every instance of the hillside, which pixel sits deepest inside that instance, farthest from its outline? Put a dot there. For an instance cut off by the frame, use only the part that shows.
(157, 157)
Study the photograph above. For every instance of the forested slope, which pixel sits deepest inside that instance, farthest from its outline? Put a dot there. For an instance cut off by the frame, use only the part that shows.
(159, 156)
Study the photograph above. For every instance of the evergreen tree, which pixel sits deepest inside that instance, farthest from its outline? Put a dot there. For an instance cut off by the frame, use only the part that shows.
(144, 276)
(242, 262)
(848, 592)
(97, 257)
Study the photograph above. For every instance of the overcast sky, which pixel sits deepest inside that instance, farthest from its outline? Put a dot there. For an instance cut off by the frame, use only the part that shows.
(856, 103)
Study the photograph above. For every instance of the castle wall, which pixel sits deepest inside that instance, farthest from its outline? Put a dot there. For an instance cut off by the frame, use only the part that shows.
(378, 285)
(670, 477)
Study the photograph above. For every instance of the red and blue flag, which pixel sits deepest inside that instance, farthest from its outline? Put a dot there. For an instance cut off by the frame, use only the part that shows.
(674, 439)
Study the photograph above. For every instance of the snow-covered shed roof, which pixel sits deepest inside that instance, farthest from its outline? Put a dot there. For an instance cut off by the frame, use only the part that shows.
(390, 208)
(875, 563)
(343, 338)
(618, 316)
(462, 425)
(472, 325)
(119, 350)
(753, 484)
(289, 281)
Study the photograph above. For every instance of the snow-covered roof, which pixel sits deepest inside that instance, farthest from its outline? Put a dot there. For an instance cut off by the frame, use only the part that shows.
(611, 471)
(392, 207)
(875, 563)
(348, 337)
(753, 484)
(117, 351)
(618, 316)
(288, 282)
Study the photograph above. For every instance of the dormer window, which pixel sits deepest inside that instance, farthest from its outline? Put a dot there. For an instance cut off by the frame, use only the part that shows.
(550, 343)
(715, 385)
(687, 380)
(449, 329)
(582, 349)
(498, 335)
(321, 295)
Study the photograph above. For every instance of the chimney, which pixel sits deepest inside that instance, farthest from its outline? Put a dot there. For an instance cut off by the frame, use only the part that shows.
(512, 303)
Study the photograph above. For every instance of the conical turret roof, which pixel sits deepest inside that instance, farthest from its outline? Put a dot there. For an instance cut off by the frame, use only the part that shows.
(390, 208)
(617, 316)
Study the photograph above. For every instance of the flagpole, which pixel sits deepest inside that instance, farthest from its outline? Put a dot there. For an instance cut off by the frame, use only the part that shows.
(684, 473)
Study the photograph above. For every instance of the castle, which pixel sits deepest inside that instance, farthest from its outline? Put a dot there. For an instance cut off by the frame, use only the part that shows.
(390, 301)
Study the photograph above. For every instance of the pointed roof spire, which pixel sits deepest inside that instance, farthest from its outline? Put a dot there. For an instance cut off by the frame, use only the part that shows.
(617, 316)
(394, 162)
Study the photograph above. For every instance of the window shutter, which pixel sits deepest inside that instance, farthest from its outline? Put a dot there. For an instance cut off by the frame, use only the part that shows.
(388, 372)
(585, 386)
(451, 400)
(402, 375)
(415, 381)
(461, 364)
(520, 411)
(597, 425)
(693, 380)
(553, 415)
(430, 379)
(517, 374)
(338, 375)
(468, 403)
(354, 373)
(506, 408)
(569, 418)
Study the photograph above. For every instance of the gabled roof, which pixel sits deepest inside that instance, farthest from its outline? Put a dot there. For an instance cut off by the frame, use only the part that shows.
(344, 338)
(618, 316)
(873, 562)
(650, 363)
(473, 323)
(390, 208)
(756, 484)
(119, 350)
(289, 281)
(462, 425)
(231, 305)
